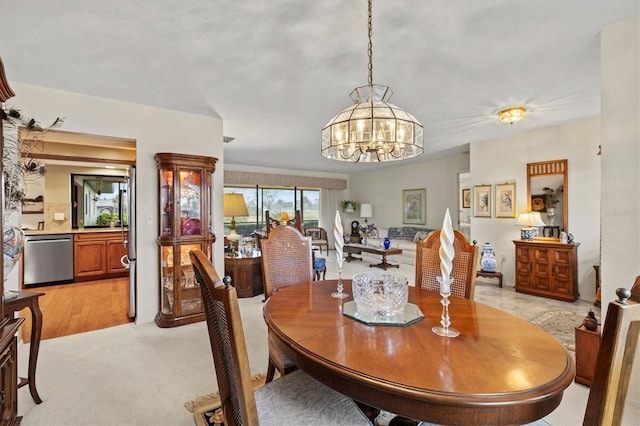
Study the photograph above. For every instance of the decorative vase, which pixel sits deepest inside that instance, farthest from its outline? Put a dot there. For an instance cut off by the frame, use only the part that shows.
(590, 322)
(488, 259)
(551, 215)
(364, 239)
(387, 243)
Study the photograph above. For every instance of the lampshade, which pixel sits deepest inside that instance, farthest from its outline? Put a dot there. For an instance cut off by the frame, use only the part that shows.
(284, 217)
(234, 205)
(366, 210)
(372, 130)
(529, 221)
(512, 115)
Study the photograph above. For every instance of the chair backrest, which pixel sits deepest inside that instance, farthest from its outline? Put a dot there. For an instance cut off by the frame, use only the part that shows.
(614, 364)
(228, 344)
(464, 265)
(286, 259)
(315, 232)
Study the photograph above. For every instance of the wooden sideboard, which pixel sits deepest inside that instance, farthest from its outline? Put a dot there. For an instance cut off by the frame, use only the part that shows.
(547, 268)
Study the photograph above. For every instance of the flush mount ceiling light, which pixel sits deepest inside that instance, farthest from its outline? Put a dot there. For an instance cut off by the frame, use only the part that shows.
(512, 115)
(372, 130)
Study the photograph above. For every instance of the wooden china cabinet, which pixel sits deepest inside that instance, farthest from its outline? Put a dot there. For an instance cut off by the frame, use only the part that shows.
(8, 326)
(185, 212)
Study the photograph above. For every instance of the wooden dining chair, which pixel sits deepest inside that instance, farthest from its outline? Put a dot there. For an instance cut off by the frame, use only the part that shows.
(286, 260)
(296, 398)
(614, 364)
(318, 237)
(464, 265)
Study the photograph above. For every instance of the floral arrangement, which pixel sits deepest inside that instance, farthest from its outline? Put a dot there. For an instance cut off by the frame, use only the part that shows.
(22, 136)
(553, 195)
(368, 229)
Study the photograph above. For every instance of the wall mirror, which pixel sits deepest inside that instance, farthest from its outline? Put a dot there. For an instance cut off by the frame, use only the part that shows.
(98, 201)
(547, 194)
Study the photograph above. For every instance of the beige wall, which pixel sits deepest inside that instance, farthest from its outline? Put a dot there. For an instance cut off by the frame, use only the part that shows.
(383, 190)
(577, 142)
(621, 168)
(154, 130)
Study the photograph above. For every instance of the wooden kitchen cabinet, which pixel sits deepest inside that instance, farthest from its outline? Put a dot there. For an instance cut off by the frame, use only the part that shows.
(96, 255)
(547, 268)
(185, 214)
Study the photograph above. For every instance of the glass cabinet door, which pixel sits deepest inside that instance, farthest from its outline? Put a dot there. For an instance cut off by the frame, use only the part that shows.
(180, 291)
(190, 214)
(166, 202)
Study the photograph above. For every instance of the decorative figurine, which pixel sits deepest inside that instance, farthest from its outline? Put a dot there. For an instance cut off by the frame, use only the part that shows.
(590, 322)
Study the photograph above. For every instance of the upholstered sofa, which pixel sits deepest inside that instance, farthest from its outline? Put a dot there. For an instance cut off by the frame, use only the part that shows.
(403, 237)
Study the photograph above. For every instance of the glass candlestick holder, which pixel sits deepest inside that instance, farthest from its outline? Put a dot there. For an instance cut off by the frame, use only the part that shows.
(339, 294)
(445, 320)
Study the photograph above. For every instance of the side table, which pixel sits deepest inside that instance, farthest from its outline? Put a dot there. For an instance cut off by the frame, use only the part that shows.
(497, 275)
(246, 274)
(587, 346)
(29, 300)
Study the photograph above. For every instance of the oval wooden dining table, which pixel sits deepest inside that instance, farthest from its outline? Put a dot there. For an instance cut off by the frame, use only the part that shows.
(500, 370)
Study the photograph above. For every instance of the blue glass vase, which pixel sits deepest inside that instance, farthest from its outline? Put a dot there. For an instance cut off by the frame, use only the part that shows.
(387, 243)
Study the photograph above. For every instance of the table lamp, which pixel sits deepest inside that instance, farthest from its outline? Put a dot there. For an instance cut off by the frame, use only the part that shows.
(366, 211)
(529, 221)
(234, 205)
(284, 218)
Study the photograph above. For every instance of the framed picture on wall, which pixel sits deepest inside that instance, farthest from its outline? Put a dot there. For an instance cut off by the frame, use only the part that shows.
(506, 200)
(414, 206)
(466, 198)
(482, 201)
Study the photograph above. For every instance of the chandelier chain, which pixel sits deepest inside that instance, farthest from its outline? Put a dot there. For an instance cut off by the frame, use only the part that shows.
(370, 47)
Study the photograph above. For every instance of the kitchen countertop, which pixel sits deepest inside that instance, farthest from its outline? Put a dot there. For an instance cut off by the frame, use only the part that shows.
(71, 231)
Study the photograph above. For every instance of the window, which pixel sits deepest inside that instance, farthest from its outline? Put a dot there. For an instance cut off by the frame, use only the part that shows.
(276, 200)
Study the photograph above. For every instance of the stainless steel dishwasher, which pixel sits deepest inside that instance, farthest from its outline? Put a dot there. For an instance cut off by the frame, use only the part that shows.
(48, 259)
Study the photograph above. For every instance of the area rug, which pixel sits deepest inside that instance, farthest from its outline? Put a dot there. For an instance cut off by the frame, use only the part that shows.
(207, 410)
(561, 325)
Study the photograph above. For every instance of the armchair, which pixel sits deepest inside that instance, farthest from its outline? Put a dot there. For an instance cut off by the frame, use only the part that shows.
(318, 237)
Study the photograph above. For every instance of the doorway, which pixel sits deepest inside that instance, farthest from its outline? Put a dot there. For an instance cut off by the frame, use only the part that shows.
(464, 203)
(88, 305)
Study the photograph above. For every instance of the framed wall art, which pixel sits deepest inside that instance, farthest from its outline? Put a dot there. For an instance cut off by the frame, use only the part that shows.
(506, 200)
(414, 206)
(482, 201)
(466, 198)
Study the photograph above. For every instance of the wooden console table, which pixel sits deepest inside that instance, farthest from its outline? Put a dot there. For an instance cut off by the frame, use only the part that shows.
(29, 300)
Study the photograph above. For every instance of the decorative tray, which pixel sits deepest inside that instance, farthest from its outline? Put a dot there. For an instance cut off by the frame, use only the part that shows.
(411, 314)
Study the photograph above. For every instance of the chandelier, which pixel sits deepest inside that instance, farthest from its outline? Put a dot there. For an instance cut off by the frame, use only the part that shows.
(372, 130)
(512, 115)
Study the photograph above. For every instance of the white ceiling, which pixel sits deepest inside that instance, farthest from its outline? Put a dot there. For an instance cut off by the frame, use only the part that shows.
(277, 70)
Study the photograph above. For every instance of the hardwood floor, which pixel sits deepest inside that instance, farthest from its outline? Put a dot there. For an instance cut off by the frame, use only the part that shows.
(79, 307)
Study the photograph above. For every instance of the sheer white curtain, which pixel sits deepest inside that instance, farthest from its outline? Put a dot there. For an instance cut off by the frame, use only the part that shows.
(330, 201)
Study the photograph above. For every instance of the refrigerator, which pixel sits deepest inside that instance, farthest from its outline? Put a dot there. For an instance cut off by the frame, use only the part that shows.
(129, 259)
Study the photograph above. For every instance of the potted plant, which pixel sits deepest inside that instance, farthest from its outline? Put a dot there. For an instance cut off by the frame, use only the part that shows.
(349, 206)
(553, 198)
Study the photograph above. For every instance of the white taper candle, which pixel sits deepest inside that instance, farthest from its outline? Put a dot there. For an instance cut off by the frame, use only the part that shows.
(338, 239)
(446, 248)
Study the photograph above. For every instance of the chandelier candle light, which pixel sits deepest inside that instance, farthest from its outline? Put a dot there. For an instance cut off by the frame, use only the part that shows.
(447, 254)
(338, 241)
(372, 130)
